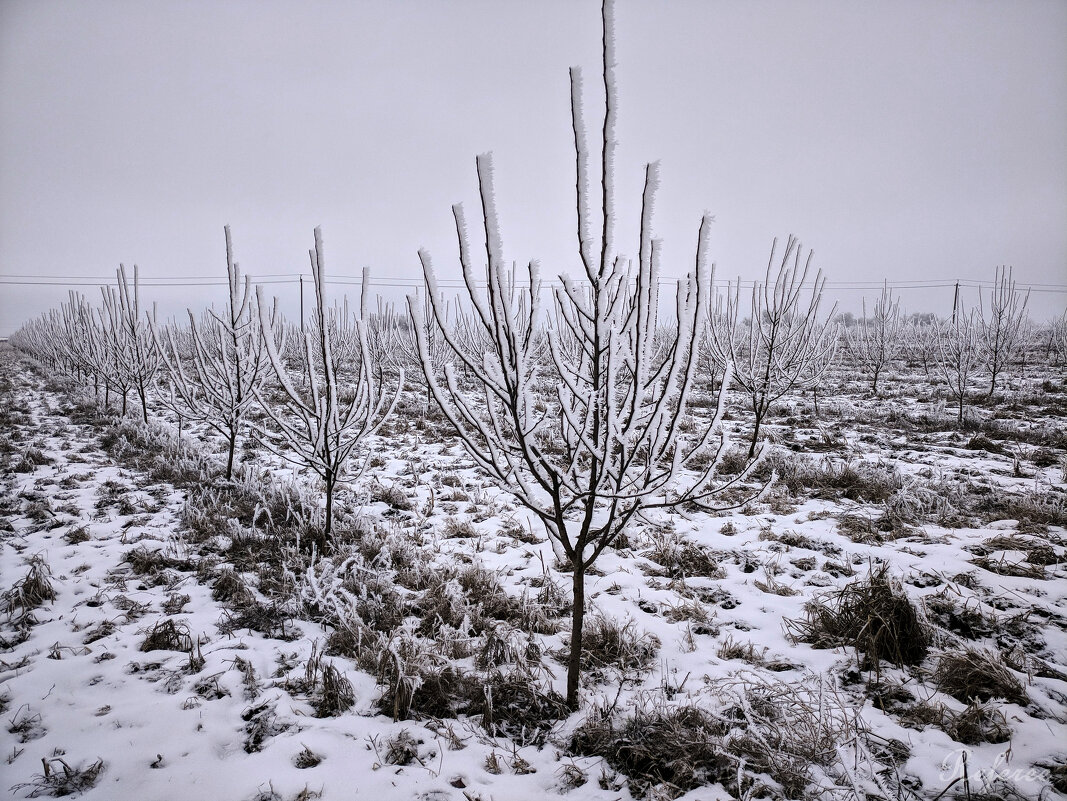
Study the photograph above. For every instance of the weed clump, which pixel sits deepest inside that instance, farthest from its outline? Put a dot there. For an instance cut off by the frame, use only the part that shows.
(514, 705)
(32, 590)
(678, 749)
(392, 496)
(608, 644)
(59, 779)
(978, 675)
(978, 723)
(680, 558)
(167, 635)
(872, 615)
(331, 691)
(230, 587)
(77, 535)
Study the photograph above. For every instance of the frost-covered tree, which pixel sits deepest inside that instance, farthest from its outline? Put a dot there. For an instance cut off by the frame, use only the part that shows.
(920, 340)
(84, 335)
(1057, 340)
(783, 344)
(959, 355)
(132, 355)
(424, 328)
(215, 366)
(41, 339)
(878, 338)
(604, 442)
(324, 415)
(1002, 325)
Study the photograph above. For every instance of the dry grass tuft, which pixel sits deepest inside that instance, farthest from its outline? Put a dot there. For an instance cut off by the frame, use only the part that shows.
(59, 779)
(674, 748)
(32, 590)
(681, 558)
(167, 635)
(872, 615)
(978, 675)
(612, 645)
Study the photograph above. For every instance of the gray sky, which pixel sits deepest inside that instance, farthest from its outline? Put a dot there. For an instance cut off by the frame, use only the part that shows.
(900, 140)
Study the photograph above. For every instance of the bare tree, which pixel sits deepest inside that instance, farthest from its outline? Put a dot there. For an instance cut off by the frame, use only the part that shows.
(782, 345)
(1057, 341)
(605, 442)
(320, 426)
(133, 354)
(84, 334)
(920, 340)
(1003, 327)
(40, 339)
(438, 353)
(878, 339)
(215, 366)
(959, 355)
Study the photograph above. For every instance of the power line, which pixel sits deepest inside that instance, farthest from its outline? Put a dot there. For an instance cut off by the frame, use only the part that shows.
(294, 278)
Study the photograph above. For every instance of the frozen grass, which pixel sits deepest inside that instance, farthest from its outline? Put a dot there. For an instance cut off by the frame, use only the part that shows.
(451, 617)
(31, 591)
(873, 615)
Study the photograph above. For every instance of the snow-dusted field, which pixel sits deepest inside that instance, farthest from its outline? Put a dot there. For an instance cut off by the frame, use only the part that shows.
(167, 635)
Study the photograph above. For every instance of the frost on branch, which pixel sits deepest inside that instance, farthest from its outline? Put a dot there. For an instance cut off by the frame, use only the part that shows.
(328, 408)
(578, 407)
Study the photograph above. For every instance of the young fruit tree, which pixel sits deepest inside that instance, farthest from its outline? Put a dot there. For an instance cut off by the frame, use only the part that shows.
(782, 344)
(320, 423)
(587, 434)
(878, 339)
(215, 366)
(133, 354)
(1003, 325)
(959, 356)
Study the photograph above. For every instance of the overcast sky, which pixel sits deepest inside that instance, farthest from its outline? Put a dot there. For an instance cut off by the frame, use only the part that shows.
(901, 140)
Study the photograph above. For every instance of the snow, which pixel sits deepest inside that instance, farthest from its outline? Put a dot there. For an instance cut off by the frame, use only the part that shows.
(168, 730)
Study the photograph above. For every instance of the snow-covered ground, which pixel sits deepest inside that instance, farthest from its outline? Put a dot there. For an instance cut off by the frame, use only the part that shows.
(139, 678)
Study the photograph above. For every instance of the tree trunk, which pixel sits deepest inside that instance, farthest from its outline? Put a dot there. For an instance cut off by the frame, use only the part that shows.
(330, 482)
(229, 455)
(144, 402)
(574, 663)
(755, 436)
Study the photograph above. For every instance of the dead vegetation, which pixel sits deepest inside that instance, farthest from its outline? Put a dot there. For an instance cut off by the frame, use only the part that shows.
(765, 738)
(59, 779)
(872, 615)
(31, 591)
(167, 635)
(976, 675)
